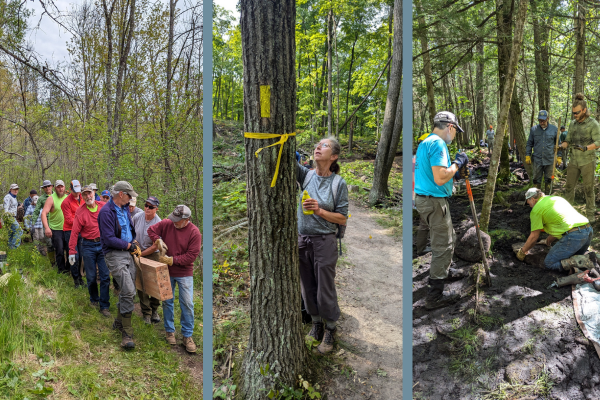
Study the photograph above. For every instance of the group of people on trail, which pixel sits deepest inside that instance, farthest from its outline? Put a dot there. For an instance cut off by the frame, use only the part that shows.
(106, 235)
(570, 233)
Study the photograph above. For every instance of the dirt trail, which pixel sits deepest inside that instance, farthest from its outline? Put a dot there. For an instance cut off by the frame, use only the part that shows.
(369, 281)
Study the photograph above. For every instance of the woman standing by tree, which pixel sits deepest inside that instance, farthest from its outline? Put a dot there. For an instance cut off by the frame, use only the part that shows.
(318, 220)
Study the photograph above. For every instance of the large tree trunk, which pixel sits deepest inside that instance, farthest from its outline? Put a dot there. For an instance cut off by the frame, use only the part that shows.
(329, 73)
(349, 82)
(426, 62)
(168, 127)
(276, 339)
(479, 124)
(579, 83)
(108, 12)
(509, 84)
(504, 32)
(386, 148)
(541, 32)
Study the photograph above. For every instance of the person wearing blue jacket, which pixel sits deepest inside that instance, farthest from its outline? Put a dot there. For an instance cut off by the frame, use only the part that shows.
(542, 141)
(117, 236)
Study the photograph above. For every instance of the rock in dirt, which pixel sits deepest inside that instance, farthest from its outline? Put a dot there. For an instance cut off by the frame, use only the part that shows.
(535, 256)
(467, 245)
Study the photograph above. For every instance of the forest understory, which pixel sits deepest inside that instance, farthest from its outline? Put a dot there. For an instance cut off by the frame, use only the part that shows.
(522, 341)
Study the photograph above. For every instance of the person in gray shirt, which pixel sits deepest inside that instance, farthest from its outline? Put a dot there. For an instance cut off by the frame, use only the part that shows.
(489, 135)
(141, 222)
(317, 239)
(542, 140)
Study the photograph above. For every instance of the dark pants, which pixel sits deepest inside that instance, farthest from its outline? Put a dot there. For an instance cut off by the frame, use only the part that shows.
(92, 255)
(122, 267)
(542, 172)
(148, 304)
(60, 245)
(576, 242)
(318, 258)
(75, 268)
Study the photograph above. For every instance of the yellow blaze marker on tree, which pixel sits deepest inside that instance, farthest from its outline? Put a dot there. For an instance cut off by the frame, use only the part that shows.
(265, 101)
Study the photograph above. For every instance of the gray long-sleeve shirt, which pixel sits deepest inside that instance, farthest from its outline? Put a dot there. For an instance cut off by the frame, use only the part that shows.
(542, 142)
(319, 188)
(10, 205)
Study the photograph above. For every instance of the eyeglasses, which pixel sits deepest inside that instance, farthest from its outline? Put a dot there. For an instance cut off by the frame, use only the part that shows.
(577, 113)
(323, 145)
(149, 206)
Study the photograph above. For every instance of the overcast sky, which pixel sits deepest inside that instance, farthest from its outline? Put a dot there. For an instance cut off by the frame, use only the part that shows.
(50, 40)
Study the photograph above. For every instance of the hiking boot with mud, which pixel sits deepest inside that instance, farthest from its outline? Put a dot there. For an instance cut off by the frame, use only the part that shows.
(127, 341)
(328, 340)
(189, 344)
(147, 319)
(170, 337)
(155, 318)
(436, 297)
(577, 261)
(316, 333)
(105, 312)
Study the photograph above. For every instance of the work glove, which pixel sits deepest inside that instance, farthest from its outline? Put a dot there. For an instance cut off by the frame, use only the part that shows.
(166, 260)
(527, 159)
(161, 245)
(461, 160)
(521, 255)
(72, 259)
(543, 241)
(580, 147)
(135, 250)
(559, 160)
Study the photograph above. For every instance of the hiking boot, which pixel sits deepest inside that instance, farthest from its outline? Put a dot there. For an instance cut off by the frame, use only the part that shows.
(94, 304)
(326, 345)
(316, 332)
(424, 251)
(436, 297)
(147, 319)
(81, 283)
(127, 341)
(577, 261)
(105, 312)
(171, 338)
(117, 325)
(189, 344)
(457, 273)
(155, 317)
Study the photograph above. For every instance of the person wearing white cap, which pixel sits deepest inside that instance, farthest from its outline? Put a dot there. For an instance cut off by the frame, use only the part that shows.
(433, 187)
(183, 241)
(133, 210)
(561, 222)
(10, 207)
(95, 189)
(69, 207)
(53, 220)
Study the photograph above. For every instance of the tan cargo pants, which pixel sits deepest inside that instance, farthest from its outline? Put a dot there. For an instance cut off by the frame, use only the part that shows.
(435, 212)
(587, 174)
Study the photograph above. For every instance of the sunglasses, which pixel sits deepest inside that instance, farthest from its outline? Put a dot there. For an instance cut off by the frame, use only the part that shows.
(150, 206)
(323, 145)
(577, 113)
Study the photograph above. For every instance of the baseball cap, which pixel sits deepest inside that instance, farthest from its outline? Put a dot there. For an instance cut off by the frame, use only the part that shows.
(93, 186)
(153, 200)
(562, 127)
(529, 194)
(180, 212)
(543, 115)
(124, 186)
(33, 191)
(105, 193)
(133, 201)
(76, 186)
(59, 183)
(46, 183)
(87, 188)
(14, 186)
(447, 116)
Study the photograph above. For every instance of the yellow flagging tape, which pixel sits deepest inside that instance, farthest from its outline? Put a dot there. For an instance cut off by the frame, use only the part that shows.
(265, 101)
(283, 138)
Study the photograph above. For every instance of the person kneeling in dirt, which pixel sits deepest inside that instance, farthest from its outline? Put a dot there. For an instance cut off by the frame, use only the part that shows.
(117, 236)
(326, 208)
(433, 187)
(562, 222)
(182, 241)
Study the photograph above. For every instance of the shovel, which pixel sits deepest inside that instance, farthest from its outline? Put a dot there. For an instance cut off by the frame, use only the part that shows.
(474, 211)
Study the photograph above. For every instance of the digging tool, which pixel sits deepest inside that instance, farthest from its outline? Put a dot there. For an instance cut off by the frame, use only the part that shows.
(574, 279)
(555, 153)
(474, 211)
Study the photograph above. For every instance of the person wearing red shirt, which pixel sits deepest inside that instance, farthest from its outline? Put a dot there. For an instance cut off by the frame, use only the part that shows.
(69, 206)
(183, 240)
(85, 223)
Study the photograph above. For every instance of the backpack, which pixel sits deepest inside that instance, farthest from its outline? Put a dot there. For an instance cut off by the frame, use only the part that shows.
(335, 186)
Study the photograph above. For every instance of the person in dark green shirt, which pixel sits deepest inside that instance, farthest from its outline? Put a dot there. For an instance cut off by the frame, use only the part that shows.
(583, 139)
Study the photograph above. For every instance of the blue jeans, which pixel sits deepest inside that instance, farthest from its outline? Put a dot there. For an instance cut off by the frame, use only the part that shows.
(186, 302)
(573, 243)
(14, 235)
(92, 255)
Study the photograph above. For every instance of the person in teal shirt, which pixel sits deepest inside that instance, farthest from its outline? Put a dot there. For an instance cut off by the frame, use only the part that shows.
(433, 186)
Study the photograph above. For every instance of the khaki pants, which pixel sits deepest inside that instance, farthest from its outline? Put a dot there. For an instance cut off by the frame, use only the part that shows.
(435, 212)
(587, 174)
(148, 304)
(422, 236)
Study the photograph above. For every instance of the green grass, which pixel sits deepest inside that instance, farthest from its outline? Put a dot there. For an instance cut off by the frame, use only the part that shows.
(53, 342)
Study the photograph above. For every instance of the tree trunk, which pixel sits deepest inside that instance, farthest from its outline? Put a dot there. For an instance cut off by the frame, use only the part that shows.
(541, 31)
(509, 84)
(108, 82)
(480, 128)
(276, 338)
(579, 82)
(349, 82)
(426, 61)
(504, 33)
(386, 147)
(168, 95)
(329, 73)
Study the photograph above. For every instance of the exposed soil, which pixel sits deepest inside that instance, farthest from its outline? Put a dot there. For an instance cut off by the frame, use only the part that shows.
(369, 284)
(524, 341)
